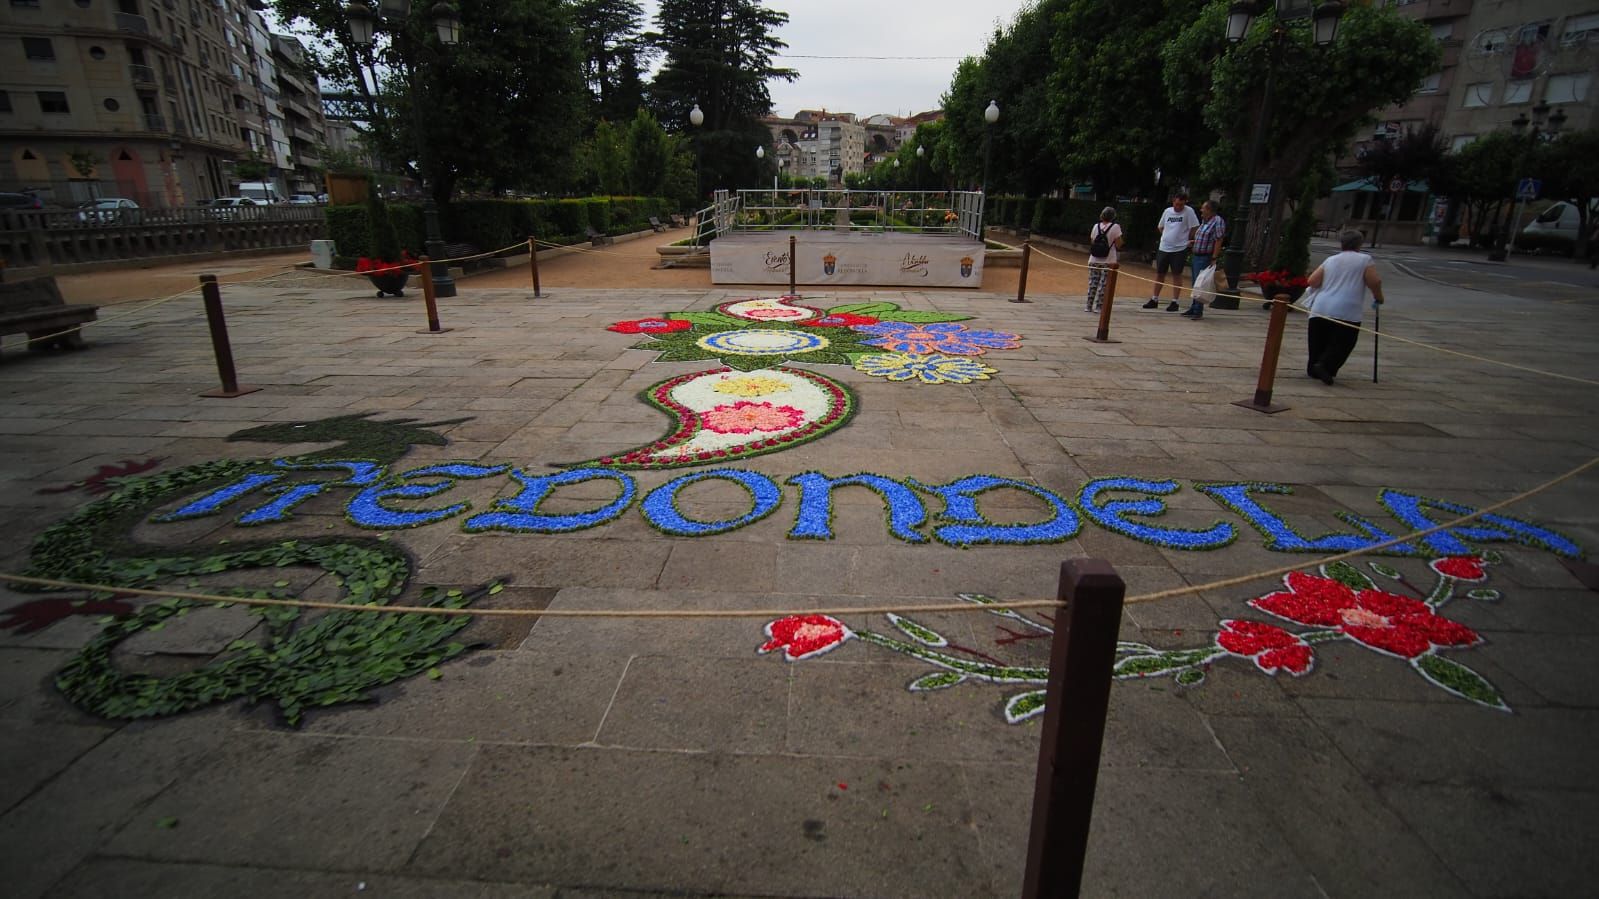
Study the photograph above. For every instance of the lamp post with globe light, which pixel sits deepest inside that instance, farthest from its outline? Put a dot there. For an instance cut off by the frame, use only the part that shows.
(1241, 16)
(365, 23)
(990, 115)
(696, 117)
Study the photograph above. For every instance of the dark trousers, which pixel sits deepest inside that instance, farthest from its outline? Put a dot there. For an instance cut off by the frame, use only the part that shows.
(1331, 342)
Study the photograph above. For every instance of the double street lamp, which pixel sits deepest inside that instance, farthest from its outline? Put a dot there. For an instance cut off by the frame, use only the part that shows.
(1241, 16)
(364, 23)
(1540, 117)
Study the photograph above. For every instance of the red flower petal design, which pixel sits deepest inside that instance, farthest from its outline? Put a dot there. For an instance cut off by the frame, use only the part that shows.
(1309, 600)
(1461, 568)
(803, 636)
(1271, 647)
(1387, 622)
(650, 326)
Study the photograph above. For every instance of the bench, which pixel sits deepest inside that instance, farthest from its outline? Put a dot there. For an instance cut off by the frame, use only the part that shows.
(596, 239)
(656, 224)
(35, 307)
(678, 221)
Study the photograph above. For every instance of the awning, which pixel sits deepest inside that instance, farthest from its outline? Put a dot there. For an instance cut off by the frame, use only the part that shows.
(1369, 185)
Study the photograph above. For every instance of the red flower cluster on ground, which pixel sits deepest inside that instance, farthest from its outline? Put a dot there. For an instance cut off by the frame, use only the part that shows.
(369, 266)
(802, 636)
(1461, 568)
(1271, 647)
(650, 326)
(841, 320)
(1386, 622)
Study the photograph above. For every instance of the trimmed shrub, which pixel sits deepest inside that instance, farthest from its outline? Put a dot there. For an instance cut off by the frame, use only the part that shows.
(347, 228)
(599, 210)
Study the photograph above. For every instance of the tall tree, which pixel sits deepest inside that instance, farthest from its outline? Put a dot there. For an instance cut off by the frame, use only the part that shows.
(1571, 164)
(718, 56)
(504, 106)
(610, 32)
(1324, 93)
(649, 155)
(609, 158)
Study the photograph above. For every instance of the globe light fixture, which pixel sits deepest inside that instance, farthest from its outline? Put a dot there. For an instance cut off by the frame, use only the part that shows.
(991, 114)
(695, 116)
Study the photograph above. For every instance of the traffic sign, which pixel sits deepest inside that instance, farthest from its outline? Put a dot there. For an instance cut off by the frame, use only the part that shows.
(1396, 186)
(1528, 189)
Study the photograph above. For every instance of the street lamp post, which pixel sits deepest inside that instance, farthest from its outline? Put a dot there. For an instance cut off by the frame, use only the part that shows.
(990, 115)
(1240, 16)
(364, 22)
(1540, 114)
(697, 118)
(920, 152)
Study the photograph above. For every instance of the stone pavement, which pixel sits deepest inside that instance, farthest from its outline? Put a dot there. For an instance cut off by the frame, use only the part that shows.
(583, 757)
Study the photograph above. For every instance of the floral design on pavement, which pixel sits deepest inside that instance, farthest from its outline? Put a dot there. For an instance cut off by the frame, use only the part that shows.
(929, 369)
(950, 339)
(788, 407)
(1340, 603)
(758, 333)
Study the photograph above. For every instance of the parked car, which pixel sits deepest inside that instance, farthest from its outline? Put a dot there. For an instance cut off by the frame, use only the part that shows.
(234, 207)
(302, 200)
(20, 201)
(110, 211)
(264, 192)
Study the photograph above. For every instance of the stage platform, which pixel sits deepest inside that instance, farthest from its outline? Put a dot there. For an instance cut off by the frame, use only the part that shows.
(824, 257)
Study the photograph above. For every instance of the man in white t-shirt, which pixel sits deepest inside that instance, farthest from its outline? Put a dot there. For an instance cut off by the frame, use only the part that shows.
(1341, 284)
(1176, 227)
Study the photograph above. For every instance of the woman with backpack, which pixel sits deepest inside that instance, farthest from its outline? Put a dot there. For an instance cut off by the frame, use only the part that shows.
(1104, 239)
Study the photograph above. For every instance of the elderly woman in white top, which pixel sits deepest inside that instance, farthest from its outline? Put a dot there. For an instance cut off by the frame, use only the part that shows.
(1340, 284)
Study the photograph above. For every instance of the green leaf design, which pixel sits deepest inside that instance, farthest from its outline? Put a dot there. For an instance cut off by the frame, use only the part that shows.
(918, 317)
(1023, 706)
(1193, 677)
(925, 636)
(1164, 663)
(1460, 680)
(709, 319)
(1484, 595)
(938, 680)
(1348, 575)
(1386, 571)
(873, 309)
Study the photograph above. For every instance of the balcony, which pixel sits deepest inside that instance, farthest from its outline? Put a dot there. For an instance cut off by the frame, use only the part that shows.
(154, 121)
(131, 23)
(143, 76)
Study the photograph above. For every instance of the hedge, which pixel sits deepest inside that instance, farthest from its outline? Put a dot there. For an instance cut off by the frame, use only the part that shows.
(1072, 219)
(492, 224)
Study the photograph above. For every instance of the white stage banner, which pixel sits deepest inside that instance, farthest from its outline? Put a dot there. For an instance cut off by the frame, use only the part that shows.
(914, 262)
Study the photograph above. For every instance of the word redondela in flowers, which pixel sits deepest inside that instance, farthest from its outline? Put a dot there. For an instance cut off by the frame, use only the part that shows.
(1383, 612)
(724, 414)
(384, 501)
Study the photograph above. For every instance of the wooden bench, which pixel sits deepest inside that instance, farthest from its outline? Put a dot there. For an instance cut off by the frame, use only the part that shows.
(678, 221)
(656, 224)
(35, 307)
(596, 239)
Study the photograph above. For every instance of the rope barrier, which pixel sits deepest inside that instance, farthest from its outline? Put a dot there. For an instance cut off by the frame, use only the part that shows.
(1223, 584)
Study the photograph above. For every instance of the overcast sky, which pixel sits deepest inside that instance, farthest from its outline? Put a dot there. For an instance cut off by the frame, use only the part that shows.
(949, 28)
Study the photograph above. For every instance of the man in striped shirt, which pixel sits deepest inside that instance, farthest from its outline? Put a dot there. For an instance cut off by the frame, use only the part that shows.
(1208, 240)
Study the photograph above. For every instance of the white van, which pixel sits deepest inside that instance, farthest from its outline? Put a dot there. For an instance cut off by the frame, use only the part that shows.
(1560, 220)
(260, 191)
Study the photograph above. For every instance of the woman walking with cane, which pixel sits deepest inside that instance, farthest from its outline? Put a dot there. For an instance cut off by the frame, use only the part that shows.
(1341, 284)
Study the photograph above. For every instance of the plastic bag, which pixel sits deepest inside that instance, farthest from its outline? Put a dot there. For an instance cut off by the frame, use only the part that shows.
(1204, 289)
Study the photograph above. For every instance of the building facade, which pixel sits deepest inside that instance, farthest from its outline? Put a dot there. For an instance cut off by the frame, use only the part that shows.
(158, 101)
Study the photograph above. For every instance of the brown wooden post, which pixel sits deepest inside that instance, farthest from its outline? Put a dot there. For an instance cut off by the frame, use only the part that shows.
(791, 261)
(1268, 358)
(533, 263)
(220, 347)
(1021, 285)
(1082, 657)
(429, 298)
(1102, 334)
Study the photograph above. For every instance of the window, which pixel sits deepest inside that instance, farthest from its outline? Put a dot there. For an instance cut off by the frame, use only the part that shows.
(5, 101)
(1567, 88)
(84, 4)
(1580, 30)
(53, 101)
(1442, 30)
(97, 53)
(1478, 94)
(1517, 92)
(1461, 142)
(31, 4)
(1429, 85)
(112, 105)
(39, 48)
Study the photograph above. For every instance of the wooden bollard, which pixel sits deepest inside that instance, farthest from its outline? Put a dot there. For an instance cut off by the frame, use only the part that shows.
(791, 262)
(1021, 285)
(1082, 658)
(220, 346)
(1268, 359)
(429, 298)
(533, 263)
(1102, 334)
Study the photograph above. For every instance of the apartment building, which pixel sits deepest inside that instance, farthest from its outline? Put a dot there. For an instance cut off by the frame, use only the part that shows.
(824, 144)
(302, 120)
(158, 101)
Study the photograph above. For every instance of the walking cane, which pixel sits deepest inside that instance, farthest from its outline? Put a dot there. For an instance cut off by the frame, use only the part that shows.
(1376, 338)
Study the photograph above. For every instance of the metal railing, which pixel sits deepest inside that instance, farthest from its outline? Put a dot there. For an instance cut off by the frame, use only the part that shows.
(127, 21)
(141, 74)
(153, 121)
(956, 212)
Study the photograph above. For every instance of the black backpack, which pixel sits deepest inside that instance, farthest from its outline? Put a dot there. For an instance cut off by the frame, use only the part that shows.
(1100, 248)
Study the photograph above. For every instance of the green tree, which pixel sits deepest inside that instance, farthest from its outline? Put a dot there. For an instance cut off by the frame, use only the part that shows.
(504, 106)
(1323, 94)
(1571, 165)
(610, 33)
(718, 56)
(648, 153)
(608, 156)
(1483, 179)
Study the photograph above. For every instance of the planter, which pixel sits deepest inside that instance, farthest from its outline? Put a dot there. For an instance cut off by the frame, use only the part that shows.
(1293, 293)
(390, 282)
